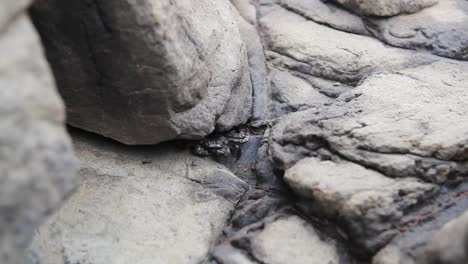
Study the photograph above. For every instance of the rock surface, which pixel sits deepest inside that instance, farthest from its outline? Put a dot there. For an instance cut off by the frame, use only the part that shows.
(386, 7)
(369, 203)
(147, 72)
(407, 123)
(440, 29)
(279, 239)
(450, 244)
(37, 163)
(139, 205)
(347, 59)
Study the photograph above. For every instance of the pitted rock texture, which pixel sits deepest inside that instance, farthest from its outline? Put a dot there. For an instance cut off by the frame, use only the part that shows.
(407, 123)
(369, 203)
(144, 72)
(386, 7)
(139, 205)
(38, 168)
(440, 29)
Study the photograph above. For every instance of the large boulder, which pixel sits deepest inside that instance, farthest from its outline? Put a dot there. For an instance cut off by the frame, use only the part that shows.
(36, 159)
(139, 205)
(143, 72)
(440, 29)
(385, 7)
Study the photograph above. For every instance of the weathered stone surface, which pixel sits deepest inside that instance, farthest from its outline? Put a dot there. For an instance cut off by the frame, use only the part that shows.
(409, 123)
(386, 7)
(258, 71)
(420, 225)
(369, 203)
(326, 13)
(291, 93)
(450, 244)
(247, 10)
(440, 29)
(316, 50)
(36, 160)
(147, 71)
(139, 205)
(279, 239)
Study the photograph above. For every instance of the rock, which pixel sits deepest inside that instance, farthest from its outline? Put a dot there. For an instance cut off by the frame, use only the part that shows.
(422, 223)
(306, 47)
(139, 205)
(326, 13)
(369, 203)
(280, 239)
(291, 93)
(247, 10)
(450, 244)
(147, 72)
(386, 7)
(408, 123)
(258, 72)
(37, 164)
(440, 29)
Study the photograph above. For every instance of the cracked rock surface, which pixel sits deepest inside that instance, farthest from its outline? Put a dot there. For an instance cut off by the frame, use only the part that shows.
(386, 7)
(143, 205)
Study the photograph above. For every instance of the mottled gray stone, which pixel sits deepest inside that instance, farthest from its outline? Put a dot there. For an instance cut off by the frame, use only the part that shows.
(408, 123)
(386, 7)
(440, 29)
(143, 72)
(368, 203)
(139, 205)
(309, 48)
(38, 168)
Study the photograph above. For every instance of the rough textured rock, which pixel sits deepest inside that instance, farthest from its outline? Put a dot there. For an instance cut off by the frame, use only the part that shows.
(279, 239)
(147, 71)
(450, 244)
(257, 68)
(440, 29)
(142, 205)
(305, 47)
(369, 203)
(36, 160)
(421, 225)
(386, 7)
(291, 93)
(326, 13)
(408, 123)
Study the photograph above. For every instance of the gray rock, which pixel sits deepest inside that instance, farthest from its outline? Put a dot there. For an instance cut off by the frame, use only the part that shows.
(369, 203)
(327, 13)
(247, 10)
(450, 244)
(38, 168)
(291, 93)
(440, 29)
(386, 7)
(408, 123)
(139, 205)
(421, 224)
(279, 239)
(258, 72)
(147, 71)
(309, 48)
